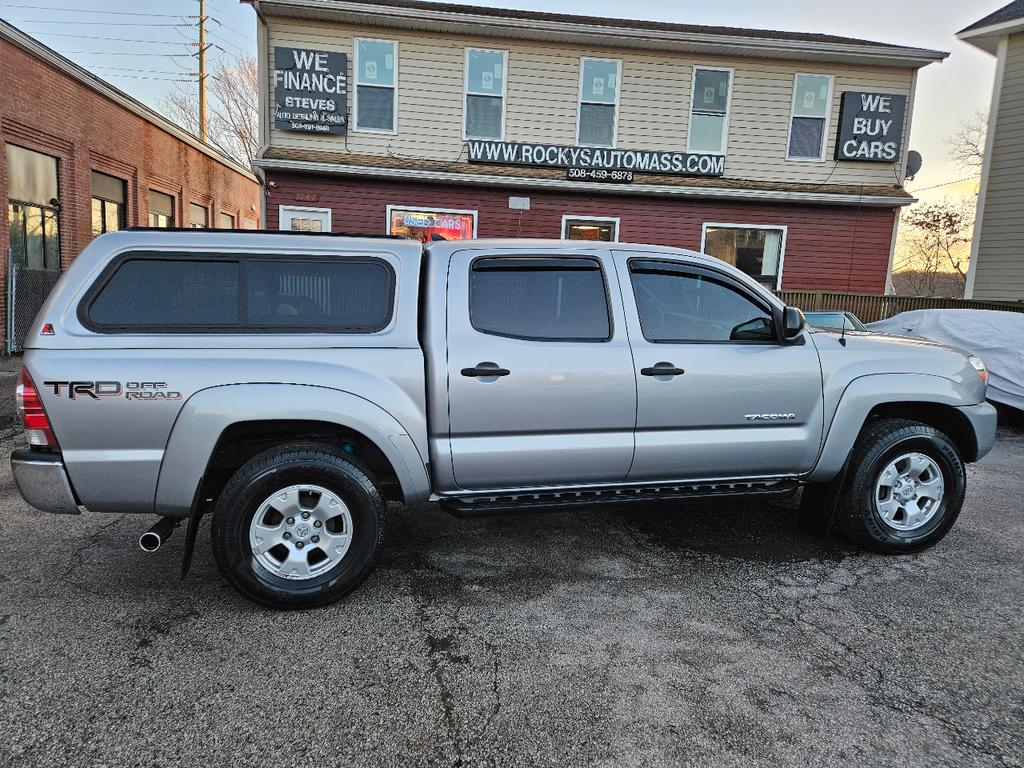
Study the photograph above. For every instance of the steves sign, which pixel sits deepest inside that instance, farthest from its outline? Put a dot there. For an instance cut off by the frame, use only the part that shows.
(557, 156)
(310, 90)
(871, 127)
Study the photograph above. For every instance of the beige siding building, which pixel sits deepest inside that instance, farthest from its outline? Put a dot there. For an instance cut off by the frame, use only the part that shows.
(781, 152)
(997, 253)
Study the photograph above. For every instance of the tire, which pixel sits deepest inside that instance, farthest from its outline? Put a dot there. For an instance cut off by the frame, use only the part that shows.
(897, 449)
(313, 484)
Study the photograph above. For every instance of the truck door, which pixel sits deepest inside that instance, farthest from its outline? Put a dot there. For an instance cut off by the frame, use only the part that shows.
(717, 394)
(540, 375)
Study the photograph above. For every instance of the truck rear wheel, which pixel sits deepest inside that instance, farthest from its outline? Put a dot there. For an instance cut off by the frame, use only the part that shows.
(904, 489)
(298, 526)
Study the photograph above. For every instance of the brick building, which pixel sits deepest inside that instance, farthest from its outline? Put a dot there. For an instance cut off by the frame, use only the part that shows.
(781, 152)
(81, 158)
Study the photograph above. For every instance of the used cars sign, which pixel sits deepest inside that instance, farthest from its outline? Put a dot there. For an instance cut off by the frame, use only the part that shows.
(310, 90)
(871, 127)
(596, 158)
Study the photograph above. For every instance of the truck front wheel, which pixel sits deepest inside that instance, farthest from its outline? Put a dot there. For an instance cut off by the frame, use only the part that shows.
(298, 526)
(904, 489)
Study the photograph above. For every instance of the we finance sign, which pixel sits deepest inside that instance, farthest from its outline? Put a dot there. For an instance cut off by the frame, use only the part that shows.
(310, 90)
(557, 156)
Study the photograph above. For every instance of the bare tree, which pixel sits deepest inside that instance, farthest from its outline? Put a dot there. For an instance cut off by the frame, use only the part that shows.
(967, 145)
(933, 248)
(233, 108)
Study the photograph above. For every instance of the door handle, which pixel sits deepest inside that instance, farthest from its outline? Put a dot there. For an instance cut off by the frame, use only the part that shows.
(662, 369)
(482, 370)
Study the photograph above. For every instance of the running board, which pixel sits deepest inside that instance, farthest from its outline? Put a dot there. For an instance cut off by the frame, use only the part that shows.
(496, 504)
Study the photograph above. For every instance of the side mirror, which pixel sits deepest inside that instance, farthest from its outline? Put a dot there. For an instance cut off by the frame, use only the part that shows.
(792, 322)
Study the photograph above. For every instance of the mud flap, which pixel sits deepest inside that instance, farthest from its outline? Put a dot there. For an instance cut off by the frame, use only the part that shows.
(191, 531)
(818, 504)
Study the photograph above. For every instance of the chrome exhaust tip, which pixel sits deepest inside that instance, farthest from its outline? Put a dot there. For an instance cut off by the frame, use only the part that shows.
(161, 531)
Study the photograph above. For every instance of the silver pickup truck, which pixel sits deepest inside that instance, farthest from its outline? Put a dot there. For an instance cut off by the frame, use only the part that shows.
(291, 384)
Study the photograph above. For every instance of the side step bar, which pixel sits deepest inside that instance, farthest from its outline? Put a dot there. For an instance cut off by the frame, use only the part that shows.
(476, 506)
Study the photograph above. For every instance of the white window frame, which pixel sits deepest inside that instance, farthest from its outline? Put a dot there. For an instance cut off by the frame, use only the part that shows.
(428, 209)
(828, 118)
(618, 96)
(728, 109)
(355, 88)
(466, 92)
(782, 246)
(300, 209)
(567, 217)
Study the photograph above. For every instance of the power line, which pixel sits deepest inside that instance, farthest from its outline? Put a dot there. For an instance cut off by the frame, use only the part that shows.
(945, 184)
(78, 23)
(110, 39)
(91, 11)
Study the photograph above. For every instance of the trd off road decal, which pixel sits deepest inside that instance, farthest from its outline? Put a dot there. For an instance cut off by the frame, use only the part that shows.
(130, 390)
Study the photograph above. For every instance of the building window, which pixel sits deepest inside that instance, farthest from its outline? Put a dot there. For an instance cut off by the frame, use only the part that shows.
(808, 125)
(225, 220)
(161, 209)
(198, 216)
(426, 224)
(599, 229)
(376, 100)
(32, 202)
(709, 110)
(484, 112)
(296, 219)
(597, 118)
(108, 204)
(756, 250)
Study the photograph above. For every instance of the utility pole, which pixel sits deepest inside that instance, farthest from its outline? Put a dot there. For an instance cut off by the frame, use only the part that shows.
(202, 70)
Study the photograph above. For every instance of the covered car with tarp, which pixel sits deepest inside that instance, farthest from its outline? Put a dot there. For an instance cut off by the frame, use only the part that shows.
(996, 337)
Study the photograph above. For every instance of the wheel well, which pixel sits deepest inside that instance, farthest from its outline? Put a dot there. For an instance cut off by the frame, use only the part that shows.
(944, 418)
(244, 440)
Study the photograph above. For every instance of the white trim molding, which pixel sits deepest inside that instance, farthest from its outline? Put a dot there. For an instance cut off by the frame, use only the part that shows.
(282, 210)
(466, 93)
(614, 104)
(355, 87)
(724, 145)
(585, 219)
(427, 209)
(986, 164)
(529, 182)
(776, 227)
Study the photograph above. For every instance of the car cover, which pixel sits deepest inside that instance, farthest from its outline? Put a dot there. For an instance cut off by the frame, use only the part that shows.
(996, 337)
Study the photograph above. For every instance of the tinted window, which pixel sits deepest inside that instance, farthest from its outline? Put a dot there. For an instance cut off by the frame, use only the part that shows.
(166, 292)
(686, 306)
(340, 295)
(540, 299)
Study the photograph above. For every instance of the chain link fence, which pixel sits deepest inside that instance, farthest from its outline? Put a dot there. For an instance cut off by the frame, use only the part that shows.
(27, 290)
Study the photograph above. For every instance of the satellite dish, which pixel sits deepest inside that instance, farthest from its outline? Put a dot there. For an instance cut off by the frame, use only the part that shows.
(914, 161)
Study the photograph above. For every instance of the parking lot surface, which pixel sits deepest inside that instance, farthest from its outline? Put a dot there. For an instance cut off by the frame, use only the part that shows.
(702, 634)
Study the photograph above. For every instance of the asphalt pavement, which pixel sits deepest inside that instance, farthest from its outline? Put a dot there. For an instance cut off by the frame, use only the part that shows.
(699, 634)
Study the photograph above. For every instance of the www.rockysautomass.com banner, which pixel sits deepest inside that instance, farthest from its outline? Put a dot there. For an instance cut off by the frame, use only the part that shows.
(557, 156)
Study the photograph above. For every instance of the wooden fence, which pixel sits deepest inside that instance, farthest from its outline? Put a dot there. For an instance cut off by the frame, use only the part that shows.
(870, 307)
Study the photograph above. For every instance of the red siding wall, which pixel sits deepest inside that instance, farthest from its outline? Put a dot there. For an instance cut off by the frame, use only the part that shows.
(827, 247)
(45, 110)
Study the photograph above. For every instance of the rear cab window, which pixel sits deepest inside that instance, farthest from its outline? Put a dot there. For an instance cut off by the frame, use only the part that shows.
(540, 298)
(159, 293)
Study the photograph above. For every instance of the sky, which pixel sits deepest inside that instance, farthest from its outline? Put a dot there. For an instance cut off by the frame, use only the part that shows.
(141, 46)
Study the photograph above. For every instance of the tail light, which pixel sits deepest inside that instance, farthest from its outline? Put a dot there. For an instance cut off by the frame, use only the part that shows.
(32, 413)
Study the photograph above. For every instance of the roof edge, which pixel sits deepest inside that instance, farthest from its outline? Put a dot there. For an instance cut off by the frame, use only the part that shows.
(415, 14)
(525, 182)
(30, 45)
